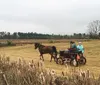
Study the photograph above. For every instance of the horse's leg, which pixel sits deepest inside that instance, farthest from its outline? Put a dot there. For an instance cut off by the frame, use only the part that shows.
(55, 57)
(51, 57)
(42, 57)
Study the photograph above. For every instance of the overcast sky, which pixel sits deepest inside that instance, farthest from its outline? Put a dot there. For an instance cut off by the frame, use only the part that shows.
(48, 16)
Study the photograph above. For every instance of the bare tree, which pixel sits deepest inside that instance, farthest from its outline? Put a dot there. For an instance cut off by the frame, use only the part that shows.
(94, 28)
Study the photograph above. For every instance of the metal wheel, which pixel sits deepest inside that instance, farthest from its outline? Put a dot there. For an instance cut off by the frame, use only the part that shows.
(60, 61)
(82, 60)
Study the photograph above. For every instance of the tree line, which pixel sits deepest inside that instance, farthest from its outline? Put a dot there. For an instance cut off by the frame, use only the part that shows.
(31, 35)
(93, 32)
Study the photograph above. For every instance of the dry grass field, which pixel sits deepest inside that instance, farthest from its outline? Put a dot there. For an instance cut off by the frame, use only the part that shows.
(27, 52)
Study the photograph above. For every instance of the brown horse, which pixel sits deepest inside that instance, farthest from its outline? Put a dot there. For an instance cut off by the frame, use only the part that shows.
(46, 50)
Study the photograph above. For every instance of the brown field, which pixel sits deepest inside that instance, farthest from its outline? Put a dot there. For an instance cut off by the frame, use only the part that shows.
(27, 52)
(31, 41)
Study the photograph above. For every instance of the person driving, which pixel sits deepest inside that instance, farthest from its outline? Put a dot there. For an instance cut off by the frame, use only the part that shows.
(73, 47)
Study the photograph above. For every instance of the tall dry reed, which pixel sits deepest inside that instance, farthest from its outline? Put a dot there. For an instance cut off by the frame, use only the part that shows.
(22, 73)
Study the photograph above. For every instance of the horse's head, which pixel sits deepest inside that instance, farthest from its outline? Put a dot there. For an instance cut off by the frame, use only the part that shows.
(36, 45)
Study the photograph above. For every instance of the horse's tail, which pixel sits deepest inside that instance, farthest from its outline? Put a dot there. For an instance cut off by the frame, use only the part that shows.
(54, 49)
